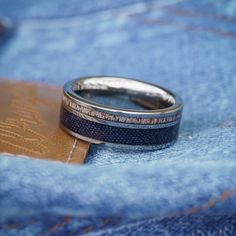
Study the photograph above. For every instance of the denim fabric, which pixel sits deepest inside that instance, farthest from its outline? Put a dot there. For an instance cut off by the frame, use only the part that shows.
(187, 46)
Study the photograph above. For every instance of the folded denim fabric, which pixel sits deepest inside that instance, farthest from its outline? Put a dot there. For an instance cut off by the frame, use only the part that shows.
(187, 189)
(160, 189)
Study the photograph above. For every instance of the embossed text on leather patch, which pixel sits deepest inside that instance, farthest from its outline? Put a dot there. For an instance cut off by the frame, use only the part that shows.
(29, 123)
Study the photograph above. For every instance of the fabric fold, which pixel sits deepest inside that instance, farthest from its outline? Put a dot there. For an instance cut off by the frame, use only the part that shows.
(161, 189)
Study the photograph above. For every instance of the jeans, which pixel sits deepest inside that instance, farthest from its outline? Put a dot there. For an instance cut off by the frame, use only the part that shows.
(187, 189)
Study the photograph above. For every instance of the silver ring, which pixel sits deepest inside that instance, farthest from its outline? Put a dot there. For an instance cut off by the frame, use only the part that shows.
(155, 127)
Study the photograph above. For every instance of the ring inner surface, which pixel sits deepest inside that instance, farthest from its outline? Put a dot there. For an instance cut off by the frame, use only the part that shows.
(123, 93)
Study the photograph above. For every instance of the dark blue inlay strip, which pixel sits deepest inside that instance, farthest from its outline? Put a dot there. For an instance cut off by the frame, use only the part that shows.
(120, 135)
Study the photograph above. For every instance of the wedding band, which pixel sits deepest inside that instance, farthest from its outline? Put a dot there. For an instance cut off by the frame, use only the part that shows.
(156, 127)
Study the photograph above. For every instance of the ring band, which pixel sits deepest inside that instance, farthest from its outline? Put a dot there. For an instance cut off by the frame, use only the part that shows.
(150, 128)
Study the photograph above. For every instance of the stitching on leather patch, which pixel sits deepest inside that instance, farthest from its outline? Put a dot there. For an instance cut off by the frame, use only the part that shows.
(29, 123)
(69, 158)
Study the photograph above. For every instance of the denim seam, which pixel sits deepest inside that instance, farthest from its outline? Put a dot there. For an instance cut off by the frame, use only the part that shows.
(211, 202)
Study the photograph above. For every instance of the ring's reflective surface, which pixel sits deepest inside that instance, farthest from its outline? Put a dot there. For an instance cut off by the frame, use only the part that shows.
(155, 127)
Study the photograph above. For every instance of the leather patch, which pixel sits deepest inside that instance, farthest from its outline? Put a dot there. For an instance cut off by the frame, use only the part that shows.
(29, 123)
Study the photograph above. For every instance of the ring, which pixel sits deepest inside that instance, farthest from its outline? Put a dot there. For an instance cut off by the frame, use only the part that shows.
(156, 126)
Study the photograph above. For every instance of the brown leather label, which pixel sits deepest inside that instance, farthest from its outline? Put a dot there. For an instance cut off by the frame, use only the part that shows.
(29, 123)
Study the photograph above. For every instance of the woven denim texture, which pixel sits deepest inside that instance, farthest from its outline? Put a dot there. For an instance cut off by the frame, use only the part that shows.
(119, 135)
(187, 189)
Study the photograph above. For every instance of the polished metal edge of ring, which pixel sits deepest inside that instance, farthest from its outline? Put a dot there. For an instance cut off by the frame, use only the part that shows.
(76, 135)
(70, 86)
(140, 147)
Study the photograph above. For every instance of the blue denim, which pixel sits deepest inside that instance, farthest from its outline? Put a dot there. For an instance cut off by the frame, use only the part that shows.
(187, 189)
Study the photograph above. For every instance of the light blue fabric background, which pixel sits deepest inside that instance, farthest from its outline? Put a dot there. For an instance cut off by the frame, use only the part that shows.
(187, 46)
